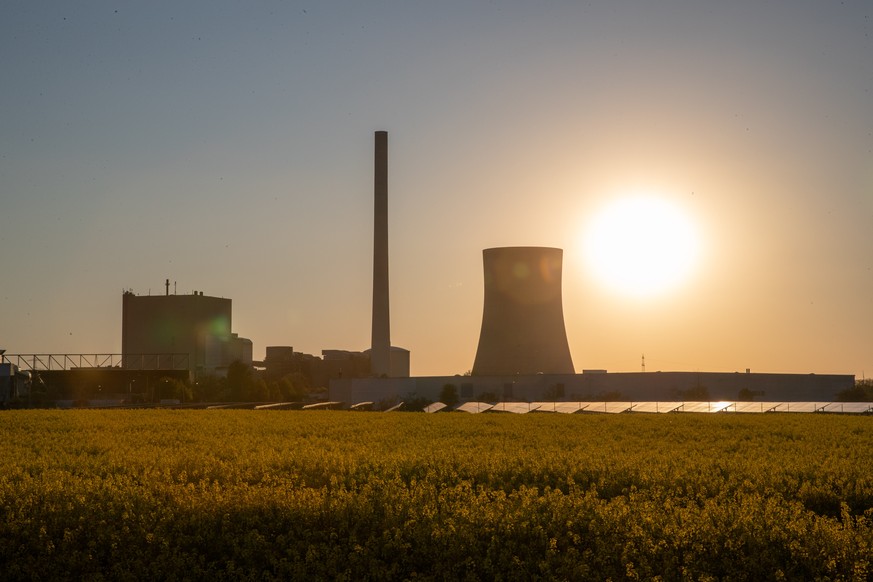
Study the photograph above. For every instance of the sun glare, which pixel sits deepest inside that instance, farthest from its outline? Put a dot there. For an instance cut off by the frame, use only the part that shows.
(641, 246)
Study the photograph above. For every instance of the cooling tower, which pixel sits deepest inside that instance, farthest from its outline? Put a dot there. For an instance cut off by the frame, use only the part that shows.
(380, 347)
(523, 318)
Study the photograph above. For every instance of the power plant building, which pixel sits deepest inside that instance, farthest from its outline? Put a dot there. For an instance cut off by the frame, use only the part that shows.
(523, 316)
(166, 327)
(523, 354)
(599, 386)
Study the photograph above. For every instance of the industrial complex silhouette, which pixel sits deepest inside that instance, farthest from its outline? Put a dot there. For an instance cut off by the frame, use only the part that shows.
(523, 353)
(522, 356)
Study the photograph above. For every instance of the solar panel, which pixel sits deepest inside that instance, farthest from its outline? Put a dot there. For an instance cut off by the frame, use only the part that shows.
(696, 407)
(320, 405)
(514, 407)
(544, 406)
(435, 407)
(393, 408)
(721, 406)
(753, 407)
(848, 407)
(474, 407)
(361, 405)
(277, 405)
(803, 406)
(655, 407)
(569, 407)
(608, 407)
(618, 407)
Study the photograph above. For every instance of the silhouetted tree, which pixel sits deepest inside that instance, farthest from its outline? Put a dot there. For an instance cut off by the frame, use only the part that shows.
(449, 395)
(173, 389)
(862, 391)
(239, 382)
(294, 387)
(259, 391)
(209, 389)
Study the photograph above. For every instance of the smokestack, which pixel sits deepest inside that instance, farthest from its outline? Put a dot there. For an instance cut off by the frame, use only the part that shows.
(167, 287)
(380, 349)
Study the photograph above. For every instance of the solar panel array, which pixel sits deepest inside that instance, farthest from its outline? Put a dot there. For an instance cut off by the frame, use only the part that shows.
(665, 407)
(652, 407)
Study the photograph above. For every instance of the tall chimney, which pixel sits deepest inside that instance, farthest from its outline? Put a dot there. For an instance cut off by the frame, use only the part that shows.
(380, 349)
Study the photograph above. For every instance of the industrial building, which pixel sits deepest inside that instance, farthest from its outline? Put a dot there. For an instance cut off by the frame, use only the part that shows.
(523, 315)
(599, 386)
(14, 383)
(166, 326)
(523, 354)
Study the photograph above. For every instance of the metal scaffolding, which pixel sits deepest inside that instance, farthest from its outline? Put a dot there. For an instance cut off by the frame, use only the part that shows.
(46, 362)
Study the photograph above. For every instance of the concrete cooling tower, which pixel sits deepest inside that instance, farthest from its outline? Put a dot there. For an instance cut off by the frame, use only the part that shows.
(523, 318)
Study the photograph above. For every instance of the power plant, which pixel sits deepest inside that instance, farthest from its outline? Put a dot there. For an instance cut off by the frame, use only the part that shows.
(523, 316)
(523, 353)
(522, 356)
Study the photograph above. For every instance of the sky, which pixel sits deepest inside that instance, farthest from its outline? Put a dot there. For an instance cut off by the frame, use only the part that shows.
(228, 146)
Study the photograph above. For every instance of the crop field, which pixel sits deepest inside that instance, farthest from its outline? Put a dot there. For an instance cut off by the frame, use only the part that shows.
(152, 494)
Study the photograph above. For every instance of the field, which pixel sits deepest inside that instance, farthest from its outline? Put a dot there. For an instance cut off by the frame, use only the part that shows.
(153, 494)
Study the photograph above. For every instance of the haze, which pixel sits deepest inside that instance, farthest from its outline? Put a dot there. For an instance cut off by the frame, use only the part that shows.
(228, 147)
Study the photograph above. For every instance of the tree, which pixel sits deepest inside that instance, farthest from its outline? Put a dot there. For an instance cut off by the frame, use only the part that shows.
(209, 389)
(174, 389)
(259, 391)
(862, 391)
(294, 387)
(449, 395)
(239, 382)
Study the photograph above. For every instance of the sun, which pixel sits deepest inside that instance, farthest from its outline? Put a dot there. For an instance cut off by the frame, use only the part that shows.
(641, 246)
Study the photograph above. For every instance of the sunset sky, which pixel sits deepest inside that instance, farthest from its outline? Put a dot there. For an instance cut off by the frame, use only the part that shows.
(228, 146)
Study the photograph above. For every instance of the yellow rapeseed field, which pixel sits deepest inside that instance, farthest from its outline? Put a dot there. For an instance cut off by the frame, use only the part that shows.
(151, 494)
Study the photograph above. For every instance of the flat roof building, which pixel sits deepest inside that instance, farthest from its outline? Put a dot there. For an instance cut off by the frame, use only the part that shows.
(198, 325)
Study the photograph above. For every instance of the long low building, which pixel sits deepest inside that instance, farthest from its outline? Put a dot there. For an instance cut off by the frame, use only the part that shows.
(598, 385)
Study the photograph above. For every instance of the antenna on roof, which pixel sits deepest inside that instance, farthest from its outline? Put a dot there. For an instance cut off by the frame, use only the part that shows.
(644, 363)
